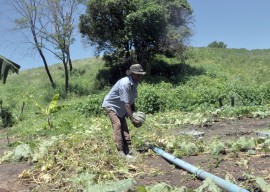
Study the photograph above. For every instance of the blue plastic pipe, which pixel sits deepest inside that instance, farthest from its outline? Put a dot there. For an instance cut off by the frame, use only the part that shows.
(230, 187)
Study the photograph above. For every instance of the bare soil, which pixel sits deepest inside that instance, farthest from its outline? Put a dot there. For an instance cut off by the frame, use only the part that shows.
(159, 170)
(233, 164)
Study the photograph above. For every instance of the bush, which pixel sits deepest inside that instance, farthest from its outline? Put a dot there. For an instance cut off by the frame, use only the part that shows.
(216, 44)
(91, 106)
(6, 117)
(148, 101)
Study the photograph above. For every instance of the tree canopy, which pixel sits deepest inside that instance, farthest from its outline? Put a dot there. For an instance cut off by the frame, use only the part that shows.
(136, 29)
(216, 44)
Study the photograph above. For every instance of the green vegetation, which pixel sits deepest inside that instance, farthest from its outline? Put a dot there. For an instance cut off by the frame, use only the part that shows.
(6, 66)
(75, 149)
(216, 44)
(135, 31)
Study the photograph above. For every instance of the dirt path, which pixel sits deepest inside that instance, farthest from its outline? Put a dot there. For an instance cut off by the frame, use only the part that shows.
(159, 170)
(9, 172)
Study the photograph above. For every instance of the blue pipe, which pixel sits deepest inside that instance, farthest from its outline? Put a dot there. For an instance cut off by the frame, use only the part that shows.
(230, 187)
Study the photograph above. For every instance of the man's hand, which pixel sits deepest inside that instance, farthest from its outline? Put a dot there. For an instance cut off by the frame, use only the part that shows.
(136, 123)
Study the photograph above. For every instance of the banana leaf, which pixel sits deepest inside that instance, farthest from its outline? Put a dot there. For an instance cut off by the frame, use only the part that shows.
(7, 66)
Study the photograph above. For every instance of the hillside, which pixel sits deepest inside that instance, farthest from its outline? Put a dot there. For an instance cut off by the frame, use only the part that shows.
(72, 149)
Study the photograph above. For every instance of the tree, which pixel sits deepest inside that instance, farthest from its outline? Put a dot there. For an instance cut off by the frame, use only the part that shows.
(60, 14)
(216, 44)
(136, 29)
(29, 12)
(51, 25)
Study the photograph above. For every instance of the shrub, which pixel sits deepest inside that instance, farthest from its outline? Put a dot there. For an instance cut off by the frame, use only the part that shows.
(148, 101)
(91, 106)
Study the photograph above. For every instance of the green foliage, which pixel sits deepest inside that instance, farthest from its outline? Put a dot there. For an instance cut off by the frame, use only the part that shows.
(216, 44)
(80, 151)
(217, 147)
(53, 107)
(163, 187)
(21, 152)
(264, 186)
(91, 105)
(6, 66)
(109, 74)
(208, 185)
(243, 144)
(188, 148)
(258, 183)
(149, 101)
(6, 116)
(121, 185)
(125, 29)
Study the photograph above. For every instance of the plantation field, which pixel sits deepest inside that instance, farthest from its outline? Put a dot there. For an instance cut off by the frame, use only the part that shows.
(154, 169)
(56, 141)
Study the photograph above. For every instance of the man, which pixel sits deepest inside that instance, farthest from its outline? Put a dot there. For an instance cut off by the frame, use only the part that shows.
(119, 104)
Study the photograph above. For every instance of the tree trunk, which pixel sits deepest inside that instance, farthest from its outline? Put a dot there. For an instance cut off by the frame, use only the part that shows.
(42, 56)
(69, 61)
(46, 68)
(70, 65)
(66, 76)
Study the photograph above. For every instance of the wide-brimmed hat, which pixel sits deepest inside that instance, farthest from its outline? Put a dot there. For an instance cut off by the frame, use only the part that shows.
(136, 69)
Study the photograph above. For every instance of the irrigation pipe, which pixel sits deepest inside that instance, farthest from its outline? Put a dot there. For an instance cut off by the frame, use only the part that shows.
(230, 187)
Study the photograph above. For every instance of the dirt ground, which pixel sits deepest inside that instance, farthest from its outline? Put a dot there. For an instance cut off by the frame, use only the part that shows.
(233, 164)
(163, 171)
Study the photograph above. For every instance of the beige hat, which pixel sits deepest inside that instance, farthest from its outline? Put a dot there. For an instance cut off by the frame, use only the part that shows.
(136, 69)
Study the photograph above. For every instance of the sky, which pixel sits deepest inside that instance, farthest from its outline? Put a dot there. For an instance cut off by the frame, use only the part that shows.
(237, 23)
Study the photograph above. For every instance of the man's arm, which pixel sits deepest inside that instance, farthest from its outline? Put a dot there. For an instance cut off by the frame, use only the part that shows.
(133, 108)
(129, 113)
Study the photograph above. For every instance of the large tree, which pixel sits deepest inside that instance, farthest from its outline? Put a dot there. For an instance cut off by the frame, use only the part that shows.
(136, 27)
(61, 16)
(28, 22)
(48, 25)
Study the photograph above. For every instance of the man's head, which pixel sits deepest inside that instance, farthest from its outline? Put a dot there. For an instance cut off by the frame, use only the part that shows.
(136, 71)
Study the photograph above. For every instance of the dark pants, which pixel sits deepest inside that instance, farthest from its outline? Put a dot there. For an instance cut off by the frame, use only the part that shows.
(120, 131)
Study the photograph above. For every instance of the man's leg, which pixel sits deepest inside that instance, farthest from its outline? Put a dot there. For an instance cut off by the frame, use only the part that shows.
(125, 135)
(117, 130)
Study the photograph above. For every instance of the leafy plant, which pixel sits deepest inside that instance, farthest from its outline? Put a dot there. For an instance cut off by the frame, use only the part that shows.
(5, 66)
(22, 151)
(121, 185)
(244, 144)
(91, 106)
(53, 107)
(217, 147)
(208, 185)
(163, 187)
(188, 148)
(6, 115)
